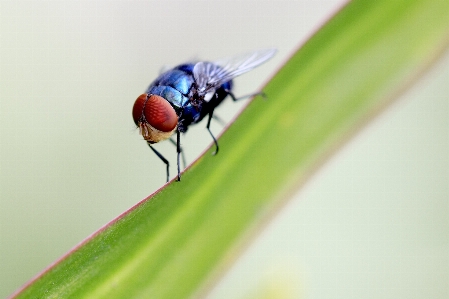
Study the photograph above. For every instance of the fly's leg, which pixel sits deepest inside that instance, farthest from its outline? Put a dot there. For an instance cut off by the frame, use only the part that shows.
(211, 114)
(178, 150)
(260, 93)
(162, 158)
(183, 156)
(219, 120)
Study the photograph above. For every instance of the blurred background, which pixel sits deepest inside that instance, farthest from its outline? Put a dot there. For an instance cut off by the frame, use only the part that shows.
(371, 223)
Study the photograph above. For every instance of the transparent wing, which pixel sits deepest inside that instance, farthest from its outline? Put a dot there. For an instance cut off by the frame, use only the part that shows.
(210, 75)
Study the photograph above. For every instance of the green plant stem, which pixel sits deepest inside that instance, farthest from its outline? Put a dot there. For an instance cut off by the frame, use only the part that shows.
(172, 244)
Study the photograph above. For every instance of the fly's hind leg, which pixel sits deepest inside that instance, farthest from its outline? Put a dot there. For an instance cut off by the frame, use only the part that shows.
(211, 115)
(260, 93)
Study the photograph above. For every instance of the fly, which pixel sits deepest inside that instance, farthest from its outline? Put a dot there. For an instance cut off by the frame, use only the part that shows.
(186, 94)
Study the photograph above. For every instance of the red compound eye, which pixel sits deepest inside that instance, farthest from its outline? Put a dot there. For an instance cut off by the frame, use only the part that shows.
(155, 111)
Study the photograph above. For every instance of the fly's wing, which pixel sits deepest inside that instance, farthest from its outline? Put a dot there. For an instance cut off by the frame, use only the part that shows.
(210, 75)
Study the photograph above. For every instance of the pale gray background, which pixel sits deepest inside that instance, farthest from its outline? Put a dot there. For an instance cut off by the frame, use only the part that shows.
(372, 223)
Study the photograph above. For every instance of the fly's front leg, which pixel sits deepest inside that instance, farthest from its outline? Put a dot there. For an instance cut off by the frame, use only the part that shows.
(183, 156)
(178, 150)
(162, 158)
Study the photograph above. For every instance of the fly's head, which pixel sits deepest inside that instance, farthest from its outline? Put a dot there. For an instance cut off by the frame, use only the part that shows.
(155, 117)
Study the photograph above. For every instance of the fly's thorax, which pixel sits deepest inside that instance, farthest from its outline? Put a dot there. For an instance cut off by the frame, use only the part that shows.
(170, 94)
(155, 117)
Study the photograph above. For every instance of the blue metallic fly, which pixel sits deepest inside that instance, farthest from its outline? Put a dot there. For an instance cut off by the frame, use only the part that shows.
(187, 93)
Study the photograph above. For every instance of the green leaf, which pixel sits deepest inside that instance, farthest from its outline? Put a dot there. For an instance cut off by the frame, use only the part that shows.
(174, 243)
